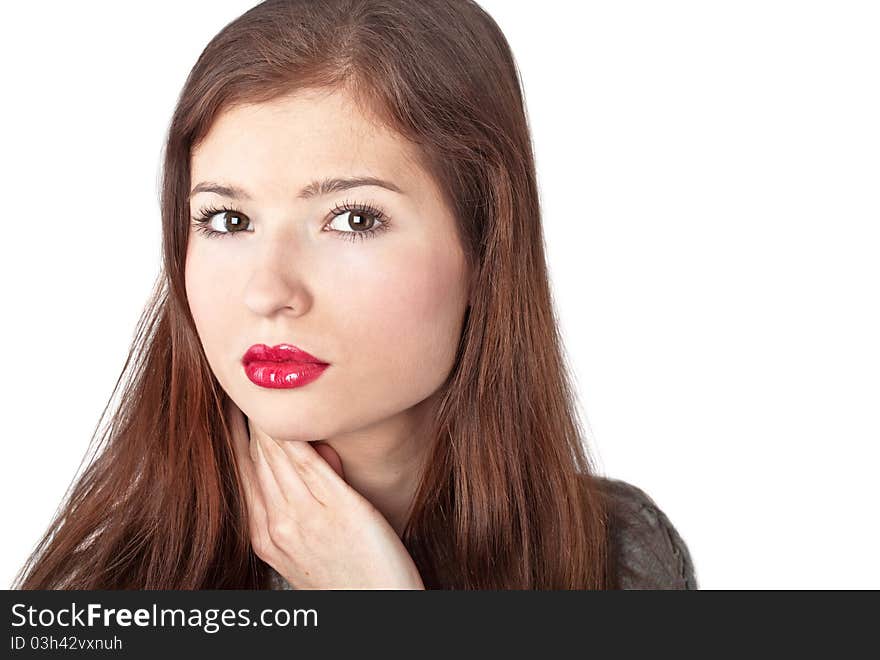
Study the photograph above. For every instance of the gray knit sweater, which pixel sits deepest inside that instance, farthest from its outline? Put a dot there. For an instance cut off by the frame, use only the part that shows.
(647, 551)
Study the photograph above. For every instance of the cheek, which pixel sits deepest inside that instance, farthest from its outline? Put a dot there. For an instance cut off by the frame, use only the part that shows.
(207, 301)
(409, 320)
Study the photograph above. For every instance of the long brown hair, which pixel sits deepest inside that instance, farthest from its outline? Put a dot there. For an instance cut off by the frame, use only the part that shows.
(509, 499)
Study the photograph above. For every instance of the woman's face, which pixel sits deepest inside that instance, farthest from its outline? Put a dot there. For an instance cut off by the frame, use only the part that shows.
(385, 311)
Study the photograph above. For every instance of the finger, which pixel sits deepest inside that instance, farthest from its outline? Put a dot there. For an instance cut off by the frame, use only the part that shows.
(320, 477)
(242, 450)
(329, 454)
(293, 488)
(273, 494)
(256, 513)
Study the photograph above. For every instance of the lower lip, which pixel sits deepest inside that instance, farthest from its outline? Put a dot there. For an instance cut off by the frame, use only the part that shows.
(283, 375)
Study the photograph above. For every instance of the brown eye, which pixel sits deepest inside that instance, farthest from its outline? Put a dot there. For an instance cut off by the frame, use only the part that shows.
(233, 221)
(230, 222)
(358, 221)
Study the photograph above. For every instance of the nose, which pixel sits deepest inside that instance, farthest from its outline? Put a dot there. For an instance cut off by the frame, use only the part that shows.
(277, 279)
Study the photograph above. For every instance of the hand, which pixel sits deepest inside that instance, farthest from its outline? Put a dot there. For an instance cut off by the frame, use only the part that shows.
(308, 523)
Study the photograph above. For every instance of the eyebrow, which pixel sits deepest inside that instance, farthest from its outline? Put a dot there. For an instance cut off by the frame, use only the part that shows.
(316, 188)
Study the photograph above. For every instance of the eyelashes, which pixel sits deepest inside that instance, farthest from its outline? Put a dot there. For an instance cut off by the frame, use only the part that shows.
(371, 213)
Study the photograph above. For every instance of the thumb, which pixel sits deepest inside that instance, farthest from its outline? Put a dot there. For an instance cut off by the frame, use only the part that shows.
(329, 454)
(255, 433)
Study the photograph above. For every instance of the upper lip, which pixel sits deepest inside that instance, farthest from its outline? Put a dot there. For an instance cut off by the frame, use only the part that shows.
(278, 353)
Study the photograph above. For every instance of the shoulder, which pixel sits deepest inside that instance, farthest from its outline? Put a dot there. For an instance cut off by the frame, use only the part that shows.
(646, 550)
(277, 582)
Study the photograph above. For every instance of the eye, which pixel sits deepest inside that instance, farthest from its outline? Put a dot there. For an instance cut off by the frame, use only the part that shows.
(354, 222)
(231, 222)
(350, 221)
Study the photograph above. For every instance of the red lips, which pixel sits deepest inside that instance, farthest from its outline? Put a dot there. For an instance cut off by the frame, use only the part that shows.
(279, 353)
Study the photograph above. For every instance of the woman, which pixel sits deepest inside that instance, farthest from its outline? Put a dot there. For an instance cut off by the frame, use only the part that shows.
(306, 408)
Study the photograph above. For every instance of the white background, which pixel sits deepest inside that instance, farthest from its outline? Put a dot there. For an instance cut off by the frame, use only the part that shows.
(709, 177)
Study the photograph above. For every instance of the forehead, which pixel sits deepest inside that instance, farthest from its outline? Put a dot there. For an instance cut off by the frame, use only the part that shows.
(298, 137)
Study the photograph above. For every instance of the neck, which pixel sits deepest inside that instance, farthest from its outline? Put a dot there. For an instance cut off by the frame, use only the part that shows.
(383, 462)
